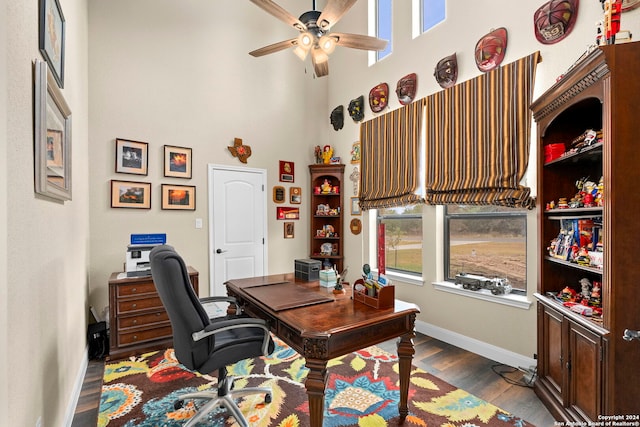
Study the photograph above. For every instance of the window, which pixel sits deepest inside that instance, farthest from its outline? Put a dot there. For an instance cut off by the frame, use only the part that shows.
(488, 241)
(384, 19)
(432, 13)
(403, 238)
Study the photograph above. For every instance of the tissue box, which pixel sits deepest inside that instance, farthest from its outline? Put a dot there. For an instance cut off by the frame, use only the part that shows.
(328, 278)
(307, 269)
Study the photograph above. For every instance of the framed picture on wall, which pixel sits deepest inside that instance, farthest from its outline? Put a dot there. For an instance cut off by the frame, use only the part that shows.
(295, 195)
(52, 139)
(130, 194)
(179, 197)
(177, 162)
(287, 171)
(51, 37)
(355, 206)
(288, 230)
(132, 157)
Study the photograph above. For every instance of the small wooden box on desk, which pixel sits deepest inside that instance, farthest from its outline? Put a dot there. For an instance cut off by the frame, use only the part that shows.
(385, 297)
(138, 320)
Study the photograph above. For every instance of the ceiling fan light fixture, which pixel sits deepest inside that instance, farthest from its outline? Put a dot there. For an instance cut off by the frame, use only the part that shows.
(327, 44)
(305, 40)
(301, 53)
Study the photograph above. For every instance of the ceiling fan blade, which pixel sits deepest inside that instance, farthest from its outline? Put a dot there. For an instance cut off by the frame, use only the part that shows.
(276, 47)
(277, 11)
(359, 41)
(332, 12)
(320, 61)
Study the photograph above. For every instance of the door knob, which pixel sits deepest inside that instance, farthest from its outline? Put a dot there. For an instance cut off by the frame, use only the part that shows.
(219, 251)
(630, 335)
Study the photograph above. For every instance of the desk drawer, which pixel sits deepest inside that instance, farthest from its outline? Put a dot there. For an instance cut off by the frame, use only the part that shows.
(290, 336)
(142, 319)
(131, 338)
(135, 305)
(133, 289)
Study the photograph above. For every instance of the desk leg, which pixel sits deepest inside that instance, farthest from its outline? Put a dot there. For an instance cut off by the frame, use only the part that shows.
(405, 354)
(315, 384)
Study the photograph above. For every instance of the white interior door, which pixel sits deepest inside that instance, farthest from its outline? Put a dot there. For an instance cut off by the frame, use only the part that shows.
(237, 225)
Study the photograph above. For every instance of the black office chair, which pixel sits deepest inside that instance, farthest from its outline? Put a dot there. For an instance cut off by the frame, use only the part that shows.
(202, 344)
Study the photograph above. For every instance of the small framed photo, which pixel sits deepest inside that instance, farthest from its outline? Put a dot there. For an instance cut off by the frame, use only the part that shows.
(132, 157)
(287, 213)
(355, 206)
(295, 195)
(288, 230)
(279, 194)
(355, 152)
(51, 37)
(177, 162)
(286, 171)
(130, 194)
(178, 197)
(52, 136)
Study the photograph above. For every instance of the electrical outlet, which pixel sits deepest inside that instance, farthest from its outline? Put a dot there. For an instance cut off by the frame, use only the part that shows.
(39, 422)
(198, 222)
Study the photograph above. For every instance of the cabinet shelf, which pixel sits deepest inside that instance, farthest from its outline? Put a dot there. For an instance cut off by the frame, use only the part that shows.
(593, 152)
(574, 265)
(593, 323)
(572, 213)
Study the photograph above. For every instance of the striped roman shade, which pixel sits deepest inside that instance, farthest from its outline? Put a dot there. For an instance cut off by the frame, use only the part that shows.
(390, 158)
(477, 138)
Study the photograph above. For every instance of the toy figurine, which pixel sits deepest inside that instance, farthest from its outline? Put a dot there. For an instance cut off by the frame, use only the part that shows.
(595, 299)
(327, 153)
(318, 154)
(586, 289)
(567, 294)
(326, 187)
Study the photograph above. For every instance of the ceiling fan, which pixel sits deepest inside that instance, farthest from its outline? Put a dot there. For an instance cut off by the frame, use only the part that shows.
(315, 37)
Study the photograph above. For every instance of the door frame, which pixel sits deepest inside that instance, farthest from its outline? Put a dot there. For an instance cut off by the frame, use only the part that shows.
(211, 168)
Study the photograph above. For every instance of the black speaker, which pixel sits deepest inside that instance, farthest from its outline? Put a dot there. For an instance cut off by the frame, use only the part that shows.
(98, 340)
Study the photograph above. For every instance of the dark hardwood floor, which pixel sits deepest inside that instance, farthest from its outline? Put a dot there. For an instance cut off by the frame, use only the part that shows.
(460, 368)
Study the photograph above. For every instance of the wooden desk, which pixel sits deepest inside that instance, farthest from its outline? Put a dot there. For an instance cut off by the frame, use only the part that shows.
(323, 331)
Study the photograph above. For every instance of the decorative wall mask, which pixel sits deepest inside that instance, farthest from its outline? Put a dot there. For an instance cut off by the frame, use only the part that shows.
(337, 117)
(379, 97)
(490, 49)
(242, 152)
(356, 108)
(446, 72)
(554, 20)
(406, 89)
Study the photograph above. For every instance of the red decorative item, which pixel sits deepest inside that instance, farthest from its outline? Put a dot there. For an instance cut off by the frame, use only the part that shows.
(554, 20)
(490, 49)
(553, 151)
(381, 249)
(406, 89)
(379, 97)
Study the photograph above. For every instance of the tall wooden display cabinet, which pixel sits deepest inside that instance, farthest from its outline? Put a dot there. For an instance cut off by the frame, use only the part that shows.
(327, 214)
(586, 367)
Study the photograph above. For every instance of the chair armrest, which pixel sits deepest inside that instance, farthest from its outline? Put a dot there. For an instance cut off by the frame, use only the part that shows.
(235, 323)
(231, 300)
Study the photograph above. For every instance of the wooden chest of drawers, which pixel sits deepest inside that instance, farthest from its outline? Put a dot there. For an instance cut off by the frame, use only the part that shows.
(138, 321)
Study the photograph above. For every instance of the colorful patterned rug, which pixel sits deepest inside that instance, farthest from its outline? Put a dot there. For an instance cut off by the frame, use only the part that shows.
(362, 390)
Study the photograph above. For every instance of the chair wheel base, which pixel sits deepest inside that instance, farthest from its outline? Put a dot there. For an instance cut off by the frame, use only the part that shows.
(178, 404)
(267, 398)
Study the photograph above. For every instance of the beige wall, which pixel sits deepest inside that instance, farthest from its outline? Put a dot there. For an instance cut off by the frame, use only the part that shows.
(46, 249)
(179, 73)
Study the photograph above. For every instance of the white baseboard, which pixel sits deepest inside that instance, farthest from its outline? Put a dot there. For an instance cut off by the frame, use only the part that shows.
(77, 388)
(489, 351)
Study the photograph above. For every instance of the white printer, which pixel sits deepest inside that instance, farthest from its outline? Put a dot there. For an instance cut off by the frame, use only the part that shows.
(138, 253)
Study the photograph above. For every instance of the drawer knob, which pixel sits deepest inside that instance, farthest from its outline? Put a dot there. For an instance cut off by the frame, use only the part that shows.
(135, 337)
(134, 305)
(135, 322)
(134, 290)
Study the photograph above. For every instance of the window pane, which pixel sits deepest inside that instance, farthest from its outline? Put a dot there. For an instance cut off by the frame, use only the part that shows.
(403, 238)
(487, 243)
(433, 12)
(383, 22)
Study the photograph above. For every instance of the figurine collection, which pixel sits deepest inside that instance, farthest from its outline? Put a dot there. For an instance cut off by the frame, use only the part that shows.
(587, 302)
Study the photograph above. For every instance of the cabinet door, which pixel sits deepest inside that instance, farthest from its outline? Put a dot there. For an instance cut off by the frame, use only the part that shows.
(585, 360)
(552, 357)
